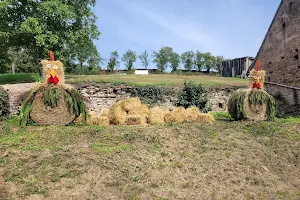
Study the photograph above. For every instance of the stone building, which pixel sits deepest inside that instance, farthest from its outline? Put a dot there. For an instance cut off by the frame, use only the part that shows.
(279, 55)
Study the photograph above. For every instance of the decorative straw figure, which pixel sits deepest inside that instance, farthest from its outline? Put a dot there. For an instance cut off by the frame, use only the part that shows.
(53, 102)
(53, 71)
(257, 77)
(253, 103)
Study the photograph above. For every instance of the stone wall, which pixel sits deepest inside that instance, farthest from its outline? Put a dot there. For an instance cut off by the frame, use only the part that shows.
(103, 95)
(287, 99)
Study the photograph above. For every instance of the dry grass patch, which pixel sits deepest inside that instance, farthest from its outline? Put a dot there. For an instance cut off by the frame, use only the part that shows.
(229, 160)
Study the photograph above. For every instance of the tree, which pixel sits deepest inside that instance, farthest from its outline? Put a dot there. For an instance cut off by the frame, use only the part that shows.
(144, 59)
(218, 63)
(209, 61)
(20, 61)
(113, 61)
(175, 61)
(67, 27)
(199, 60)
(187, 59)
(129, 57)
(162, 57)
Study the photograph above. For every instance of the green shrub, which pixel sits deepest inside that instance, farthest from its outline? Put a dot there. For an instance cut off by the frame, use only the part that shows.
(18, 78)
(4, 106)
(151, 94)
(193, 94)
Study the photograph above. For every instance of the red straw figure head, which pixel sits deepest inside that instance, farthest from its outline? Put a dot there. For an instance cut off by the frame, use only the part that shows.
(51, 56)
(258, 65)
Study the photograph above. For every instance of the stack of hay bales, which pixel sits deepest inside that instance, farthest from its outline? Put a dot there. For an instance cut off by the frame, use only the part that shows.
(133, 112)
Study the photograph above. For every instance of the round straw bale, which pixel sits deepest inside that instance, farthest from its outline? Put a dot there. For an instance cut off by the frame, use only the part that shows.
(192, 114)
(130, 104)
(156, 116)
(117, 115)
(251, 104)
(205, 118)
(135, 120)
(176, 116)
(46, 115)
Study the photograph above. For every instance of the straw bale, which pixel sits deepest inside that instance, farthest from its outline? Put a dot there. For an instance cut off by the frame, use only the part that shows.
(105, 112)
(205, 118)
(135, 120)
(257, 112)
(130, 104)
(191, 114)
(117, 115)
(156, 116)
(45, 115)
(176, 116)
(98, 120)
(142, 110)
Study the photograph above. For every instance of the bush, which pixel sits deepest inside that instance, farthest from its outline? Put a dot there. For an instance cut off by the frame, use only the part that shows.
(151, 94)
(4, 105)
(193, 95)
(18, 78)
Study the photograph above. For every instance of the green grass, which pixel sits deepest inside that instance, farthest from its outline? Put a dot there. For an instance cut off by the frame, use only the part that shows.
(18, 78)
(229, 159)
(158, 79)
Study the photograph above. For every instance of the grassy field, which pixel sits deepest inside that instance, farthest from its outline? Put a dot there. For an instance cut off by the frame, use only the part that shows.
(228, 160)
(158, 79)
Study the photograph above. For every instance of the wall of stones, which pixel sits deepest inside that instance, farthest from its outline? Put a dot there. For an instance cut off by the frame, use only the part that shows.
(99, 96)
(287, 99)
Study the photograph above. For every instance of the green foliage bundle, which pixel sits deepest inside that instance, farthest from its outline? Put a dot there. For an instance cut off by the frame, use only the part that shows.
(76, 103)
(193, 94)
(72, 97)
(236, 105)
(4, 105)
(51, 97)
(151, 94)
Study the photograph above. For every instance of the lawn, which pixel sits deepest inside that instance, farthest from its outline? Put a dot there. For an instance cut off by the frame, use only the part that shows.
(227, 160)
(159, 79)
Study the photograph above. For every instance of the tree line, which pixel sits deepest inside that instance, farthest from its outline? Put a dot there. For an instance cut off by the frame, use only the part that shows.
(167, 57)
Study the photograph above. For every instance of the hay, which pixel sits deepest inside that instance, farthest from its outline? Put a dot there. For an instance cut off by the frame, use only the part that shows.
(236, 104)
(105, 112)
(130, 104)
(59, 72)
(191, 114)
(117, 115)
(46, 115)
(176, 116)
(142, 110)
(205, 118)
(98, 120)
(156, 116)
(135, 120)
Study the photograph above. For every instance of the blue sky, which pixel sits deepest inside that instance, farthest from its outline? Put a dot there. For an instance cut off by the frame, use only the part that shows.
(231, 28)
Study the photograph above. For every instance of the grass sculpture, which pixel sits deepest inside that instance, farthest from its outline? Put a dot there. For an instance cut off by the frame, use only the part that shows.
(253, 103)
(52, 102)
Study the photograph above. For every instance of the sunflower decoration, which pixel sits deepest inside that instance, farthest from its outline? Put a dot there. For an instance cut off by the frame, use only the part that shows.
(253, 103)
(52, 102)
